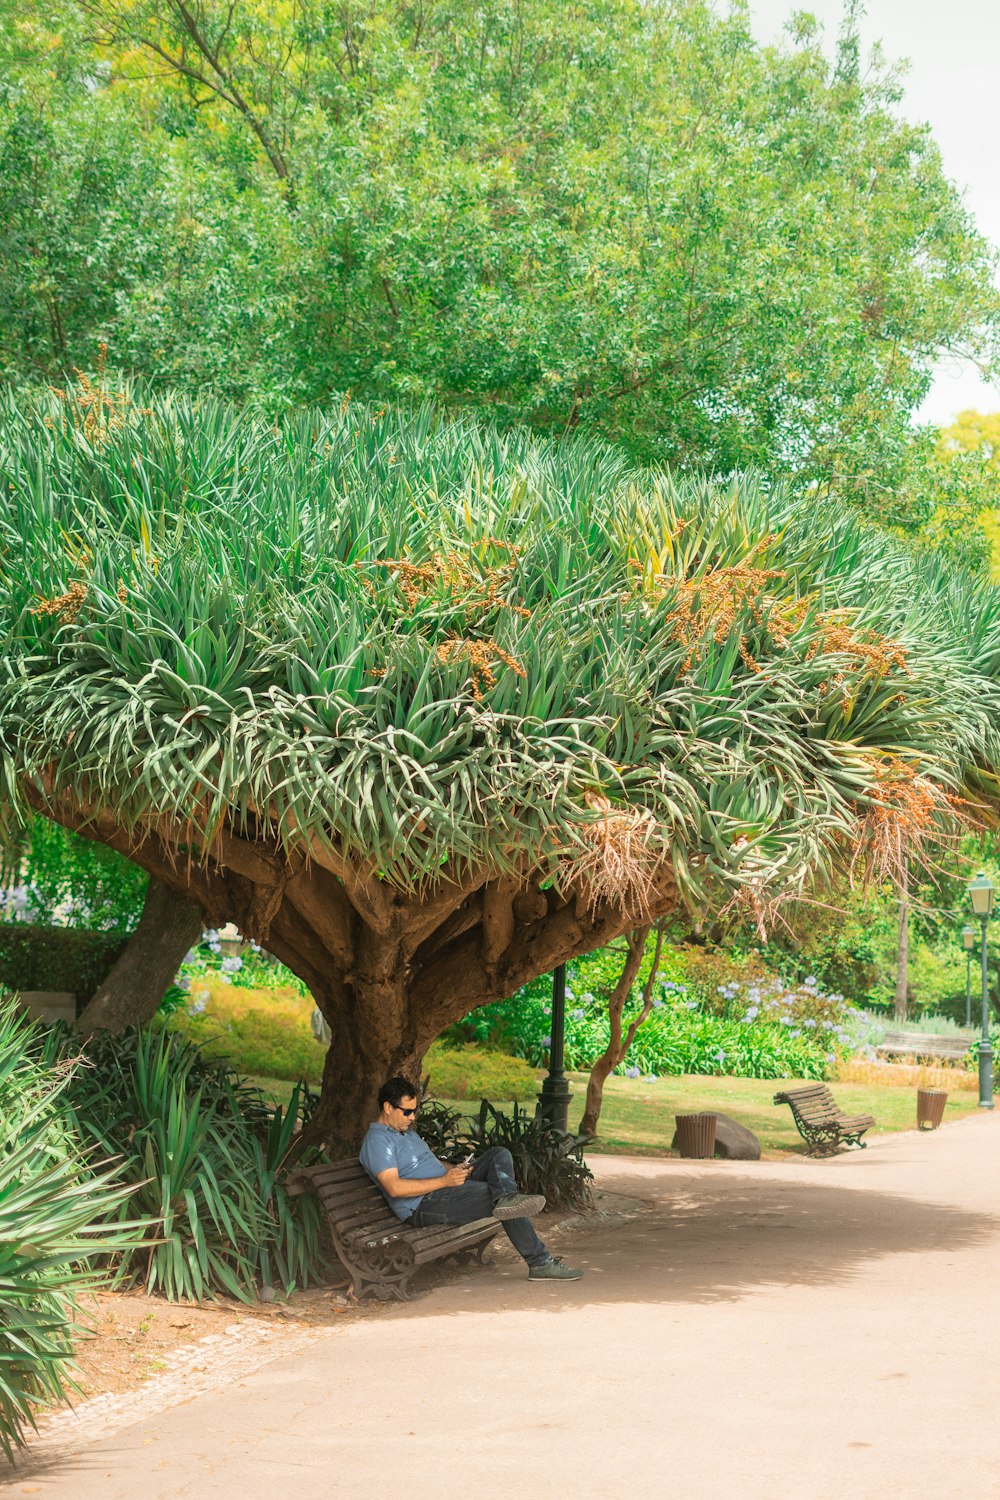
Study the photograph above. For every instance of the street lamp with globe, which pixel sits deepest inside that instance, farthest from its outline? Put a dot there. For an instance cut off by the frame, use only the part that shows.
(982, 893)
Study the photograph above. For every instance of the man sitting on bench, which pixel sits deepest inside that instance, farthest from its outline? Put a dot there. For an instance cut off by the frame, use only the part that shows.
(424, 1191)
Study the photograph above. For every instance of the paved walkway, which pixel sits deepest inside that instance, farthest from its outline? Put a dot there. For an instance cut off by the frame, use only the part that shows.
(826, 1329)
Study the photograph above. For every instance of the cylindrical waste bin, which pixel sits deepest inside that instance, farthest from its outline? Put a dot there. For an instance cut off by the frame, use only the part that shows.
(930, 1108)
(696, 1135)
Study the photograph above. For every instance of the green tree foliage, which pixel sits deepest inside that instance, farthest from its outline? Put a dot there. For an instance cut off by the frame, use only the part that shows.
(620, 215)
(970, 449)
(52, 875)
(427, 709)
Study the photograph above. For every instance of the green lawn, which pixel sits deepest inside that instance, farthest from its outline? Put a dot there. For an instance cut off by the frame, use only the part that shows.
(638, 1117)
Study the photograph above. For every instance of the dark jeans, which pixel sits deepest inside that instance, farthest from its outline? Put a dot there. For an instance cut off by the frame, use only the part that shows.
(491, 1178)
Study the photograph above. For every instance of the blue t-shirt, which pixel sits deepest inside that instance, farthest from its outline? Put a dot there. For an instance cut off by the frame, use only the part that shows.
(384, 1147)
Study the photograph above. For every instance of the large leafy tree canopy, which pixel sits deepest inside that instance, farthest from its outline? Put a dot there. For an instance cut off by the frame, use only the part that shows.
(428, 708)
(622, 215)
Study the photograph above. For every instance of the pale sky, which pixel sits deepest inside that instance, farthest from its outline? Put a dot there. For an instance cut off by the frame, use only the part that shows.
(954, 54)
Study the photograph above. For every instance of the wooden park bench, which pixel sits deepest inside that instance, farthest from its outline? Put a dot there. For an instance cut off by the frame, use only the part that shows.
(379, 1251)
(822, 1124)
(922, 1044)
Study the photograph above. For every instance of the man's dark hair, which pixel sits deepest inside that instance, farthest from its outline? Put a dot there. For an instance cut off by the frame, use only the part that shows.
(395, 1090)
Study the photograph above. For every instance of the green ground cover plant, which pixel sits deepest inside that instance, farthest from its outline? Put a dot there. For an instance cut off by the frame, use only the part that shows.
(202, 1154)
(253, 1030)
(60, 1217)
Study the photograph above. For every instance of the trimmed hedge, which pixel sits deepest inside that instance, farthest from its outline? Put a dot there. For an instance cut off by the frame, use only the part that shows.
(34, 957)
(471, 1072)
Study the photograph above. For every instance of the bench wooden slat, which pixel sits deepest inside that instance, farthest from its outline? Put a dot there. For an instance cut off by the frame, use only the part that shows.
(374, 1217)
(463, 1236)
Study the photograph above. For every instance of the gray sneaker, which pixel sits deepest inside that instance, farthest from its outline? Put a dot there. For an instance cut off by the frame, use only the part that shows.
(518, 1206)
(553, 1270)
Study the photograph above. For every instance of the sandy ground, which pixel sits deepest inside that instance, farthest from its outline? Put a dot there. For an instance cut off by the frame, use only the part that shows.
(130, 1337)
(825, 1329)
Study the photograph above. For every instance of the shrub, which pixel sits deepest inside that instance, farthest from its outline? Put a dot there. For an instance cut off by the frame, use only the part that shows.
(202, 1154)
(470, 1072)
(265, 1033)
(56, 958)
(682, 1037)
(709, 972)
(51, 1208)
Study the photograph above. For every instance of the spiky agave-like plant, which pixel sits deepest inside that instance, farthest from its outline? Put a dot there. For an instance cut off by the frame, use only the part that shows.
(428, 709)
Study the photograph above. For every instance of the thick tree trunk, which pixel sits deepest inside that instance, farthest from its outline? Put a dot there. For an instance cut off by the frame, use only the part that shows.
(903, 950)
(352, 1076)
(373, 1038)
(169, 925)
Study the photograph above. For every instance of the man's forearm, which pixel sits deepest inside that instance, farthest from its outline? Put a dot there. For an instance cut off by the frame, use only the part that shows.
(414, 1187)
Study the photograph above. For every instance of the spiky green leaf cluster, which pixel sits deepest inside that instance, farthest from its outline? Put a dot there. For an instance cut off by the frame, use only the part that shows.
(240, 643)
(54, 1199)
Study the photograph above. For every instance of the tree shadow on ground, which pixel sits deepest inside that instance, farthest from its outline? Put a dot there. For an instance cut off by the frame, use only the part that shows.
(708, 1239)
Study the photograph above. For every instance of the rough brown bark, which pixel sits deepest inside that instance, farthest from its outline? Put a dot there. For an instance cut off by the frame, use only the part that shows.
(903, 950)
(619, 1042)
(389, 969)
(170, 923)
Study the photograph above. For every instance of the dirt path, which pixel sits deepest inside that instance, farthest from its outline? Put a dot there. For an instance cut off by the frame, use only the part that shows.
(824, 1329)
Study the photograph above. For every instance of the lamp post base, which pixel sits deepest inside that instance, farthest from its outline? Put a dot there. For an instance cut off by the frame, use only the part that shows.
(985, 1076)
(554, 1101)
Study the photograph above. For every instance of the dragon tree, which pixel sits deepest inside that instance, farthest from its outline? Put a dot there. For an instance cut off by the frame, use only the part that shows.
(427, 709)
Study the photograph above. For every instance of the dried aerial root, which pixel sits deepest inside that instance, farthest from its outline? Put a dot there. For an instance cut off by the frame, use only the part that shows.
(907, 812)
(619, 859)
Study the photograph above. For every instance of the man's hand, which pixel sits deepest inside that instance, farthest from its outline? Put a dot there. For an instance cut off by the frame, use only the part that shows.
(455, 1176)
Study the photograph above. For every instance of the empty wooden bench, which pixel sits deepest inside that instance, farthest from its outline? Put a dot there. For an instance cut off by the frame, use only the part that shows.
(922, 1044)
(822, 1124)
(380, 1251)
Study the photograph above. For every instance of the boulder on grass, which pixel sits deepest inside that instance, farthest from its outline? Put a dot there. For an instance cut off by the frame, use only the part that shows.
(733, 1141)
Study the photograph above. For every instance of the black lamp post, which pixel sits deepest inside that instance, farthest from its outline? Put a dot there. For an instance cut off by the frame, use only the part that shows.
(982, 892)
(968, 943)
(554, 1099)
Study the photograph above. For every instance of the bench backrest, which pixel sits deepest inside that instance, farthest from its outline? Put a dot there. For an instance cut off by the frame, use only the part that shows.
(355, 1206)
(814, 1103)
(922, 1043)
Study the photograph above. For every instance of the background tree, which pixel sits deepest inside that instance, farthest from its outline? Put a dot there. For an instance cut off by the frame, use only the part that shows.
(428, 710)
(714, 253)
(970, 447)
(622, 1034)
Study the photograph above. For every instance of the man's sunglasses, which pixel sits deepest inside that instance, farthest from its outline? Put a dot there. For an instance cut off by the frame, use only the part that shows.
(406, 1112)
